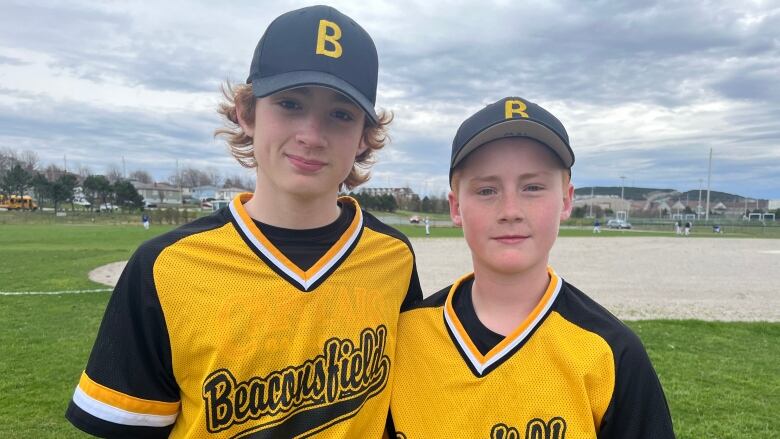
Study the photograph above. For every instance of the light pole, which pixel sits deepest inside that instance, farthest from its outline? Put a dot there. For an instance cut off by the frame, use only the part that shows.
(698, 206)
(622, 200)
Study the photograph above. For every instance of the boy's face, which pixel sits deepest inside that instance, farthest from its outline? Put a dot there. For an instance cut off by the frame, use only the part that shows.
(510, 197)
(306, 140)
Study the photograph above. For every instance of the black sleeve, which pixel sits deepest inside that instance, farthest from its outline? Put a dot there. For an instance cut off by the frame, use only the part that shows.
(414, 293)
(128, 388)
(638, 409)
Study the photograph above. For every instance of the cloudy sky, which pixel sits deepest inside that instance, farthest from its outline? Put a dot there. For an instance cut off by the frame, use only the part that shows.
(644, 88)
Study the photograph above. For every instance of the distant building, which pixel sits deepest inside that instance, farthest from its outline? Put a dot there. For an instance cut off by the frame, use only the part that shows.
(203, 193)
(400, 194)
(229, 193)
(158, 193)
(605, 202)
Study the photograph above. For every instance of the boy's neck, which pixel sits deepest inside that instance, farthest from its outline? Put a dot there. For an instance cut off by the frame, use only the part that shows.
(503, 302)
(291, 212)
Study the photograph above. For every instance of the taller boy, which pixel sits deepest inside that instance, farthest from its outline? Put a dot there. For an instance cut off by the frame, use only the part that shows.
(274, 317)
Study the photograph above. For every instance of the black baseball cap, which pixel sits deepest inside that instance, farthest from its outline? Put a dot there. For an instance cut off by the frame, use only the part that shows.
(318, 46)
(511, 117)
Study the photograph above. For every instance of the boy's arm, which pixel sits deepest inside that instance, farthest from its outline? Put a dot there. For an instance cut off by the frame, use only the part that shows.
(128, 388)
(414, 292)
(638, 409)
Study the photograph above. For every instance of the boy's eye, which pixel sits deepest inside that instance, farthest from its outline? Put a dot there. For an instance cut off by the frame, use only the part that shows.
(288, 104)
(486, 191)
(343, 115)
(533, 188)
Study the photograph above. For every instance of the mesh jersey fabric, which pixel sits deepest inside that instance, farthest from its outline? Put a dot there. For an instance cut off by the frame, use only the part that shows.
(571, 370)
(212, 332)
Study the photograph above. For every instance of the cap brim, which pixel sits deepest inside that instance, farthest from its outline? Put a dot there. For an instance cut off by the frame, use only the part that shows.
(518, 128)
(262, 87)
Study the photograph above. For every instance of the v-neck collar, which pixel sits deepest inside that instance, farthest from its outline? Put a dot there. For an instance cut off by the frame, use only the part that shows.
(302, 279)
(480, 364)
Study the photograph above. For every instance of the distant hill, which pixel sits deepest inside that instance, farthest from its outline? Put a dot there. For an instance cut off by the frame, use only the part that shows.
(643, 193)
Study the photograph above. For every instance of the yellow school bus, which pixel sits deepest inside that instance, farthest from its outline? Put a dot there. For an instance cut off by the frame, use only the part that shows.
(15, 202)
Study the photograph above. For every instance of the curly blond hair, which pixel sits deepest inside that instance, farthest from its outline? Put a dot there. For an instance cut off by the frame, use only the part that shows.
(374, 135)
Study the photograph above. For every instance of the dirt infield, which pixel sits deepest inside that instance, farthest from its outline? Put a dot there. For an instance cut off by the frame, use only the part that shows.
(635, 278)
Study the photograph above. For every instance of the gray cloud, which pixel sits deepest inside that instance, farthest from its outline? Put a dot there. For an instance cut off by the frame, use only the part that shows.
(644, 88)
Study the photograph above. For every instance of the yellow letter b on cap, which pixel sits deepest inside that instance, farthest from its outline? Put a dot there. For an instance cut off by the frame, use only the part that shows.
(514, 108)
(324, 37)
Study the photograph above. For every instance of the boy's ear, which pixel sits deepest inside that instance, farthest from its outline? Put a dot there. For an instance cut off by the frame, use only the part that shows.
(248, 126)
(362, 147)
(568, 202)
(455, 209)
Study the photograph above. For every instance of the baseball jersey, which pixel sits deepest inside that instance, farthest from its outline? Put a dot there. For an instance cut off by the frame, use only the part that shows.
(211, 332)
(570, 370)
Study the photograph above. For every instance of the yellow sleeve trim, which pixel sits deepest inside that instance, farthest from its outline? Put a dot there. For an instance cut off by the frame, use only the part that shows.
(126, 402)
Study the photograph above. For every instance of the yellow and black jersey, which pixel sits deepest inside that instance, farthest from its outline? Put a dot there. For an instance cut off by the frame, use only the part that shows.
(212, 332)
(571, 370)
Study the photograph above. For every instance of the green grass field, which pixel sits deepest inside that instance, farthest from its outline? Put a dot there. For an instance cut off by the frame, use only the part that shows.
(722, 380)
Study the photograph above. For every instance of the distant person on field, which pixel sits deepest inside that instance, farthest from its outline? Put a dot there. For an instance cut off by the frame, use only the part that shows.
(427, 226)
(145, 221)
(687, 228)
(678, 228)
(597, 226)
(512, 350)
(276, 316)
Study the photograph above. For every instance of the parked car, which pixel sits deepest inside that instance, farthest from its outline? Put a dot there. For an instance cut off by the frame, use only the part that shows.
(615, 223)
(415, 219)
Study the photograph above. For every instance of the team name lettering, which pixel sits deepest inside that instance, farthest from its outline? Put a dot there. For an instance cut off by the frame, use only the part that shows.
(343, 370)
(332, 37)
(535, 429)
(515, 107)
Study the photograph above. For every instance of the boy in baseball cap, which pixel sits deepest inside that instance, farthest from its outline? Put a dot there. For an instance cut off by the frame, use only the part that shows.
(512, 350)
(275, 316)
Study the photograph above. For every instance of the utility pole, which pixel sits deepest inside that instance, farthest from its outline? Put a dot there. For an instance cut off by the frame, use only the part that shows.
(698, 206)
(178, 181)
(591, 202)
(709, 180)
(65, 160)
(124, 168)
(622, 200)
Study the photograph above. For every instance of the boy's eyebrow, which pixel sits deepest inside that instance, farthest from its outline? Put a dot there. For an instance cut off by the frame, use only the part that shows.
(524, 176)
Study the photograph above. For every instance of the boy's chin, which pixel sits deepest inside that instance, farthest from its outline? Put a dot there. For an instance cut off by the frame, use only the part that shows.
(513, 264)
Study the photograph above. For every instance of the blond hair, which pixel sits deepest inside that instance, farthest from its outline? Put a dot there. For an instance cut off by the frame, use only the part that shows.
(565, 177)
(241, 147)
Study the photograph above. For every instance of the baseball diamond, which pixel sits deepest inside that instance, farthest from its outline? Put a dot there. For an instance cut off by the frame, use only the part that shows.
(635, 278)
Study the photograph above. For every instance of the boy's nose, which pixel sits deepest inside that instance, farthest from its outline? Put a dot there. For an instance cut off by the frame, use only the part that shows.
(310, 132)
(511, 209)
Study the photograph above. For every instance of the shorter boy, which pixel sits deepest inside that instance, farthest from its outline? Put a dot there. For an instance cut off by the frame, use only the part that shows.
(512, 350)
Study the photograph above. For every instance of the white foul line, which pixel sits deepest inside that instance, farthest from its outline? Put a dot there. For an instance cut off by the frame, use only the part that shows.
(52, 293)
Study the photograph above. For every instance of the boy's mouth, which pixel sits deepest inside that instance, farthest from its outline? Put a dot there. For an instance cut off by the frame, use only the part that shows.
(511, 239)
(304, 164)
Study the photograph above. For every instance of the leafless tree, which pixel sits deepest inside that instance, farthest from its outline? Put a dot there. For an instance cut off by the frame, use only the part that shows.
(191, 177)
(213, 174)
(29, 161)
(52, 172)
(8, 158)
(142, 176)
(113, 173)
(84, 172)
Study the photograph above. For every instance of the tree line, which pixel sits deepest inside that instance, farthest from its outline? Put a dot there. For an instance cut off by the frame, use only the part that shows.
(390, 203)
(23, 172)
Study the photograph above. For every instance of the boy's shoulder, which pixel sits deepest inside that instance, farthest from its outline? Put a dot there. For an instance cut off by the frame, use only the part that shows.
(581, 310)
(149, 250)
(435, 300)
(373, 223)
